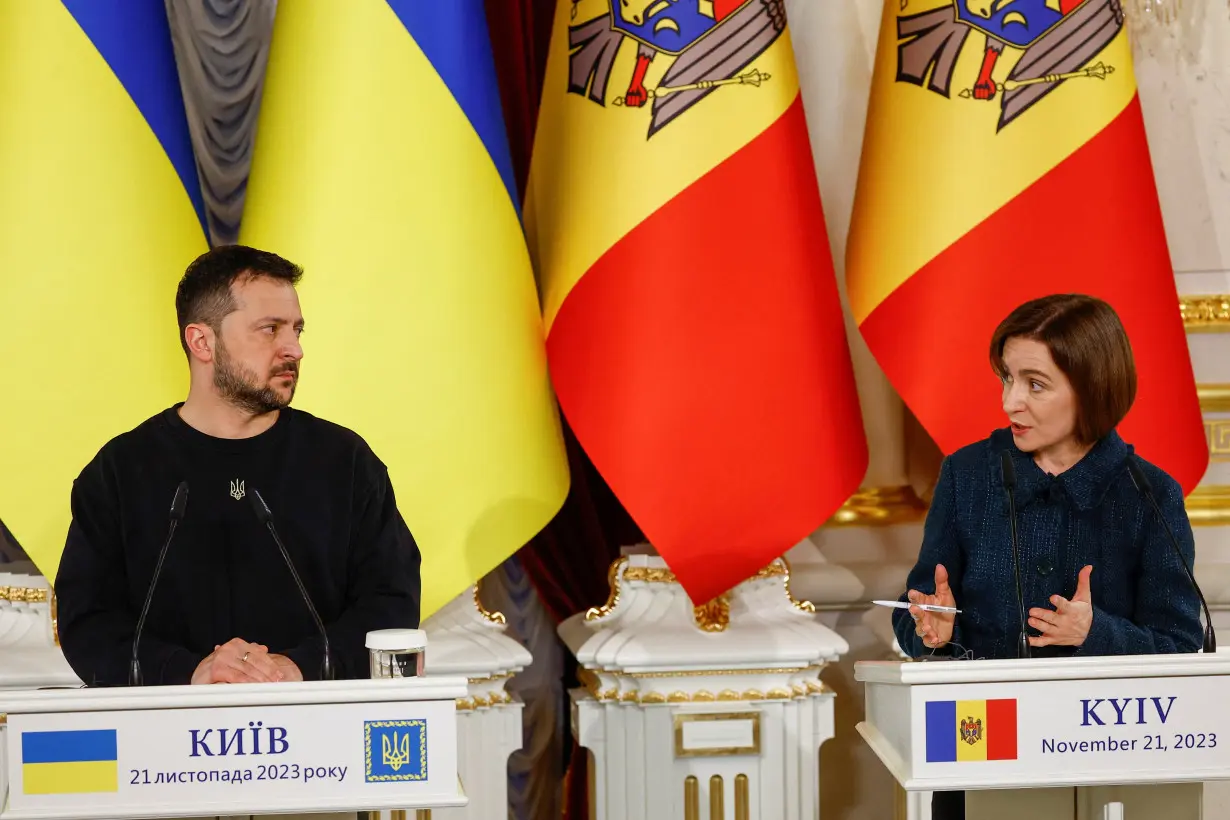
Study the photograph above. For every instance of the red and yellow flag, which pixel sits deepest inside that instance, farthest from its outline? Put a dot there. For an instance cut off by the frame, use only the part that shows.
(695, 337)
(1005, 159)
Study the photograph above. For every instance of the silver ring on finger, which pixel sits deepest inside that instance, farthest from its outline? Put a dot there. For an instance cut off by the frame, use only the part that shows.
(244, 659)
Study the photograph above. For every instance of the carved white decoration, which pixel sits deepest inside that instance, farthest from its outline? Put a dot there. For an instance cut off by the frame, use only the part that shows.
(462, 640)
(667, 701)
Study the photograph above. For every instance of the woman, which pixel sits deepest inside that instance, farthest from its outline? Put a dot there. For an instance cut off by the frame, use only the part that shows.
(1098, 573)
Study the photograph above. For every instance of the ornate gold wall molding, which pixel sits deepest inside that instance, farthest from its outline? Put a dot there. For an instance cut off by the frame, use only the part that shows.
(1209, 506)
(1217, 431)
(1214, 398)
(880, 507)
(1206, 313)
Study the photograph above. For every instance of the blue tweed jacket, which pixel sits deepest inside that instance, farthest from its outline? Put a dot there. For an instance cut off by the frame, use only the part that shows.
(1089, 514)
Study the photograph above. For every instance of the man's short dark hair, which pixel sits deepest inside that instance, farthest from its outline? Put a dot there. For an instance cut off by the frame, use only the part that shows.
(204, 295)
(1088, 343)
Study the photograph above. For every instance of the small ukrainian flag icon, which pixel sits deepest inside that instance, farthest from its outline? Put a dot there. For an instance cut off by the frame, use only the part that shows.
(73, 762)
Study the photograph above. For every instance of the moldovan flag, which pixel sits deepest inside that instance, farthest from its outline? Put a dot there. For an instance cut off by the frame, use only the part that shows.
(381, 165)
(968, 730)
(1005, 160)
(695, 335)
(100, 212)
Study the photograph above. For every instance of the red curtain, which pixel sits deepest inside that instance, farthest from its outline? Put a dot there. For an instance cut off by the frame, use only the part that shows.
(520, 35)
(568, 561)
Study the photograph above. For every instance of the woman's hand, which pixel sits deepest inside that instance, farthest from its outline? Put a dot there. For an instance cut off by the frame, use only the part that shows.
(935, 628)
(1069, 622)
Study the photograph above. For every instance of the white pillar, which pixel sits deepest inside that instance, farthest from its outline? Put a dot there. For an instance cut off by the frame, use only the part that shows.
(686, 707)
(464, 639)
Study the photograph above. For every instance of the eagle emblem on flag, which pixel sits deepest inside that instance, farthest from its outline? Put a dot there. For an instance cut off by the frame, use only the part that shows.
(971, 730)
(709, 43)
(1054, 41)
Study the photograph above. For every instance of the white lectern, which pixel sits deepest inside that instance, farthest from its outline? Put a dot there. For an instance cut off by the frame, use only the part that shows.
(1112, 737)
(188, 751)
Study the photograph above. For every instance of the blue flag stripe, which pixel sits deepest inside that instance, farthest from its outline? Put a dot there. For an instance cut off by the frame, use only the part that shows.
(68, 747)
(455, 39)
(134, 38)
(941, 731)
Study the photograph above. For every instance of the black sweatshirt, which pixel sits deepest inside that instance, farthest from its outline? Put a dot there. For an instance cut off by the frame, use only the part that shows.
(224, 577)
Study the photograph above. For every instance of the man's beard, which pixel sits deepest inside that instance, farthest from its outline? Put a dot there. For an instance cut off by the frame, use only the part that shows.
(244, 389)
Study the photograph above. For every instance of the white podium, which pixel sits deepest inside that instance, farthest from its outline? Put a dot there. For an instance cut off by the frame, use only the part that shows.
(1112, 738)
(188, 751)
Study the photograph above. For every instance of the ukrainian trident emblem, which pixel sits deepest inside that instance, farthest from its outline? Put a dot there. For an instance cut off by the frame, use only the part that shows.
(395, 752)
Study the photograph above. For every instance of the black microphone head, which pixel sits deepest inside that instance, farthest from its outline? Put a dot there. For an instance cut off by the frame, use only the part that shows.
(1138, 477)
(263, 513)
(1008, 469)
(179, 504)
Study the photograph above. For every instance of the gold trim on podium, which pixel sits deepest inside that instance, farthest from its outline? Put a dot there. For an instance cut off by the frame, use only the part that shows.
(717, 798)
(1206, 313)
(24, 595)
(717, 751)
(880, 507)
(691, 798)
(711, 616)
(487, 615)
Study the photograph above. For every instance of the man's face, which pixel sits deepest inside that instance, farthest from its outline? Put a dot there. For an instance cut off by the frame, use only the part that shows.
(256, 363)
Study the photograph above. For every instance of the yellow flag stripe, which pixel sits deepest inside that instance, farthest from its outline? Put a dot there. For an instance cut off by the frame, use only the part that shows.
(935, 167)
(425, 335)
(595, 175)
(973, 712)
(76, 777)
(95, 230)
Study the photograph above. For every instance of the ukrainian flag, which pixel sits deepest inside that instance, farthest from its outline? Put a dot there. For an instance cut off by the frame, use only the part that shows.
(381, 165)
(100, 211)
(69, 762)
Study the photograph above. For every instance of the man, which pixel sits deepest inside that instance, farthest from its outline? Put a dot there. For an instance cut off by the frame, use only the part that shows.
(226, 608)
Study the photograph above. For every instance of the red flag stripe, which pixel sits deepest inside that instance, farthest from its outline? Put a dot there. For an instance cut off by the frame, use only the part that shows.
(932, 334)
(1001, 729)
(703, 364)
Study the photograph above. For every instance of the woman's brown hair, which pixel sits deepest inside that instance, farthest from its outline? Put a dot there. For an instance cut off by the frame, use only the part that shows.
(1088, 343)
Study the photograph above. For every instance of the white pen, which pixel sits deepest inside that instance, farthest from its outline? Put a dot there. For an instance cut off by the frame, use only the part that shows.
(923, 607)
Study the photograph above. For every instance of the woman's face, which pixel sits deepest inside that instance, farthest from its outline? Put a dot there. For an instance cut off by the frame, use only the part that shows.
(1038, 398)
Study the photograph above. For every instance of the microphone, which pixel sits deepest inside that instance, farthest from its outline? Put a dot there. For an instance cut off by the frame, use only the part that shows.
(1008, 471)
(179, 505)
(265, 516)
(1146, 489)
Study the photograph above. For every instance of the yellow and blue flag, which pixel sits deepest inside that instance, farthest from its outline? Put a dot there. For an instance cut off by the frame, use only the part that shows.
(72, 762)
(381, 165)
(100, 212)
